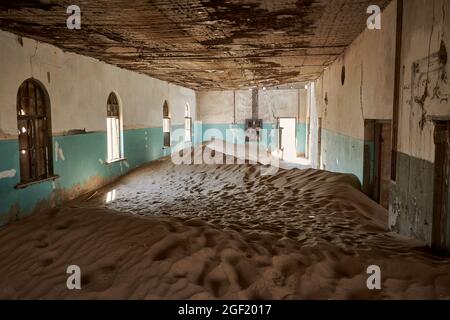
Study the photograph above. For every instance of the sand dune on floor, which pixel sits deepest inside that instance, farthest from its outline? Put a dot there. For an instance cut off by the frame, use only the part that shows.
(218, 232)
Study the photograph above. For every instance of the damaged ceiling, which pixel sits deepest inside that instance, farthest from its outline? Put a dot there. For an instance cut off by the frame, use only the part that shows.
(200, 44)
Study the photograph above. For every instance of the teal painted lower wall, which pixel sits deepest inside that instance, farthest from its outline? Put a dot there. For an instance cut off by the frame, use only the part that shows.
(340, 153)
(301, 138)
(343, 154)
(82, 168)
(411, 198)
(221, 131)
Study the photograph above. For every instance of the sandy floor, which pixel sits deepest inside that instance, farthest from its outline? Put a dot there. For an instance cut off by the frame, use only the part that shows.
(218, 231)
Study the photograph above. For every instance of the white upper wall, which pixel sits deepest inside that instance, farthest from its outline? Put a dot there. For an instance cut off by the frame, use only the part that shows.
(426, 24)
(283, 103)
(216, 107)
(368, 90)
(79, 86)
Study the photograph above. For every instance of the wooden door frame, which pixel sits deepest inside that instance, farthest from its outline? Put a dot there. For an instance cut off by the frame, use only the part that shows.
(377, 135)
(373, 189)
(280, 133)
(439, 234)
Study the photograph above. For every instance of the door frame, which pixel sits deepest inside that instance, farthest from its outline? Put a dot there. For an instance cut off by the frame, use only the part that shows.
(373, 129)
(280, 134)
(440, 241)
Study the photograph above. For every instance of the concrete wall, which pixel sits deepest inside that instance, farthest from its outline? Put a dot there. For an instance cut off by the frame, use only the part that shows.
(425, 92)
(216, 109)
(78, 88)
(367, 93)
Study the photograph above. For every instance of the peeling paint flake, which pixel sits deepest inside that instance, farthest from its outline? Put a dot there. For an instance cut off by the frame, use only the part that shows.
(59, 152)
(7, 174)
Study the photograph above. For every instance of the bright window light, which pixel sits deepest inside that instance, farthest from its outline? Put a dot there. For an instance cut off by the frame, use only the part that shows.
(114, 129)
(187, 110)
(113, 135)
(166, 124)
(187, 129)
(111, 196)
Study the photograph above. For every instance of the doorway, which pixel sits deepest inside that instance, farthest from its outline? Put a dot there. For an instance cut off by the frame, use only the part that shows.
(287, 127)
(377, 160)
(440, 235)
(319, 143)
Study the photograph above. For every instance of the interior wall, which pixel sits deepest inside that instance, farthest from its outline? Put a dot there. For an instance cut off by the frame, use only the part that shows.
(425, 93)
(302, 123)
(366, 93)
(78, 88)
(216, 110)
(217, 107)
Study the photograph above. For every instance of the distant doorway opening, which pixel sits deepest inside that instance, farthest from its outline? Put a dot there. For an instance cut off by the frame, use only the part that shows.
(377, 160)
(287, 127)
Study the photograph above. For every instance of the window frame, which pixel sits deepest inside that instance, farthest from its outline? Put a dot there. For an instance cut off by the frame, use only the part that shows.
(166, 132)
(114, 129)
(34, 134)
(166, 125)
(188, 128)
(187, 123)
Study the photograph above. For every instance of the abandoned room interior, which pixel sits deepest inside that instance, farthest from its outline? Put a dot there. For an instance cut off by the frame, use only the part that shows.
(232, 149)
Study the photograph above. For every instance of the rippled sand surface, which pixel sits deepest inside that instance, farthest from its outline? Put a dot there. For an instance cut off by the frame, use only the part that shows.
(218, 232)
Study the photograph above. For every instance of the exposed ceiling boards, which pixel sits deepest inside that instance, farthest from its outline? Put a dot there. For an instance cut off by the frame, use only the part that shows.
(198, 43)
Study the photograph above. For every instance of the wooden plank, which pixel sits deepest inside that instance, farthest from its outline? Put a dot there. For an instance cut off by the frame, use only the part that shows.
(397, 86)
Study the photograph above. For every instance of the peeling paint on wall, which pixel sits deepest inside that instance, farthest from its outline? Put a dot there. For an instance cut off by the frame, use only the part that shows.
(7, 174)
(59, 152)
(425, 94)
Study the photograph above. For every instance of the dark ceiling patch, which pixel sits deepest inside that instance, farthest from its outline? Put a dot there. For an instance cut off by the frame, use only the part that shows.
(253, 20)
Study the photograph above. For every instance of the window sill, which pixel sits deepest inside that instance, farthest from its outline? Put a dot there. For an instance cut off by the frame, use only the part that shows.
(24, 185)
(116, 160)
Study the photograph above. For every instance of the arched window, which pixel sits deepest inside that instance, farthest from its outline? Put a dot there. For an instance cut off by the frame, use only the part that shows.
(166, 125)
(34, 124)
(187, 123)
(114, 129)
